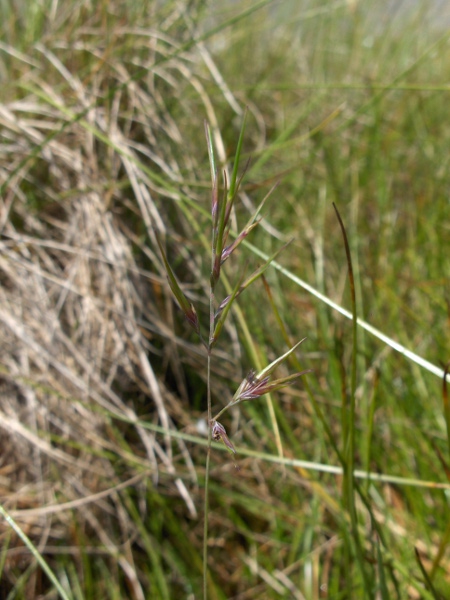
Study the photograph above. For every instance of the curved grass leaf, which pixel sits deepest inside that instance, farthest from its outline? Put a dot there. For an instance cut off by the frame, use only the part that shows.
(186, 306)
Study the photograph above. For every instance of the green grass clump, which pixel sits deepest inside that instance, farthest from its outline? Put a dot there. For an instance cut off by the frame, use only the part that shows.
(342, 485)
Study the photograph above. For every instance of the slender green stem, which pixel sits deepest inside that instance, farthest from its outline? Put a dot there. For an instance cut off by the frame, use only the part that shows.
(206, 500)
(34, 551)
(349, 452)
(224, 409)
(208, 451)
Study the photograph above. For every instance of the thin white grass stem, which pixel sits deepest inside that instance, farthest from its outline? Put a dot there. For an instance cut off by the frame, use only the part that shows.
(375, 332)
(304, 464)
(35, 552)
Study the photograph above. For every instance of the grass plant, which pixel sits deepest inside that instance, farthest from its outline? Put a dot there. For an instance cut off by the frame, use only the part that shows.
(254, 384)
(343, 482)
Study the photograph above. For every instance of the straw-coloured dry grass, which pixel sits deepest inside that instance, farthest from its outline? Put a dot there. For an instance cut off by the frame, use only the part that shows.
(84, 307)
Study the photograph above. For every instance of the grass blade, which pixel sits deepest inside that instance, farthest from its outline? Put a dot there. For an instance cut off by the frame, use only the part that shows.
(234, 175)
(446, 403)
(212, 159)
(428, 583)
(349, 423)
(186, 306)
(34, 551)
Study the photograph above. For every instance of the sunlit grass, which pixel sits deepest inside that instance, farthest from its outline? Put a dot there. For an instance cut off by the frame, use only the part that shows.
(102, 145)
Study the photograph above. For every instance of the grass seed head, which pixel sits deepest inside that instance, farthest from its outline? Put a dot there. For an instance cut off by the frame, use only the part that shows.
(219, 434)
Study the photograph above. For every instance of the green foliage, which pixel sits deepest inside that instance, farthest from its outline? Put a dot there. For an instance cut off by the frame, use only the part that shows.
(106, 192)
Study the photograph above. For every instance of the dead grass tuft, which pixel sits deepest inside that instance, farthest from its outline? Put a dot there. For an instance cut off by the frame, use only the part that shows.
(91, 164)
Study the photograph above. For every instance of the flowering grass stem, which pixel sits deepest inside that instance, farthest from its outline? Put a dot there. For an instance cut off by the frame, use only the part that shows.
(255, 384)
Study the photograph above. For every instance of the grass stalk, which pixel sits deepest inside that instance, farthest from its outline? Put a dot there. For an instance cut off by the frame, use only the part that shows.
(208, 449)
(349, 417)
(35, 552)
(255, 385)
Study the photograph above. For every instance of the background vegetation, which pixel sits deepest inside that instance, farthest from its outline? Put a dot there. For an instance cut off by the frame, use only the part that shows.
(102, 404)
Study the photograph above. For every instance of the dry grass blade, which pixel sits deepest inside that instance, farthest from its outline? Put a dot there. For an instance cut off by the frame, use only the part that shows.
(73, 297)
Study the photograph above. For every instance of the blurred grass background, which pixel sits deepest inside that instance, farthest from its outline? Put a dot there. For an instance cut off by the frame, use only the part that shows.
(102, 143)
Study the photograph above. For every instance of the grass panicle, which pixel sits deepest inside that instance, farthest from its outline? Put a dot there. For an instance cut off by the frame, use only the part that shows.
(253, 386)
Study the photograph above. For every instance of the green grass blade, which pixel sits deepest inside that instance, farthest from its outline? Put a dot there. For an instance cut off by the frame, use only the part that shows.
(212, 159)
(349, 452)
(428, 583)
(35, 552)
(381, 575)
(234, 176)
